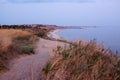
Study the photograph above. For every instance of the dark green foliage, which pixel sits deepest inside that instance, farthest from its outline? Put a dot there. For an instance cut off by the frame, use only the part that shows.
(23, 38)
(2, 65)
(95, 57)
(47, 68)
(41, 34)
(65, 54)
(28, 50)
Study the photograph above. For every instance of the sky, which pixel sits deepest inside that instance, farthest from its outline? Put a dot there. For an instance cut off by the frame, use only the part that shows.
(29, 1)
(61, 12)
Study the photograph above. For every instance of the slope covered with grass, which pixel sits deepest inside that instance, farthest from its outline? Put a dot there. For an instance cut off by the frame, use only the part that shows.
(83, 61)
(14, 43)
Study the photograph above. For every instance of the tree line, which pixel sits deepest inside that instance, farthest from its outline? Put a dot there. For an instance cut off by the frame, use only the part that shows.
(20, 26)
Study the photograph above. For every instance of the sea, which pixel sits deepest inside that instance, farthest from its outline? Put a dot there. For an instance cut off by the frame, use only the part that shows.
(107, 36)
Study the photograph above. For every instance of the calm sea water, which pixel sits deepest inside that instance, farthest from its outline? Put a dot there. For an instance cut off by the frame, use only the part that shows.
(107, 36)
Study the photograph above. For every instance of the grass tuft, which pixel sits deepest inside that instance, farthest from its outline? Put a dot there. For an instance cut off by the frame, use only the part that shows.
(41, 34)
(47, 68)
(28, 50)
(65, 54)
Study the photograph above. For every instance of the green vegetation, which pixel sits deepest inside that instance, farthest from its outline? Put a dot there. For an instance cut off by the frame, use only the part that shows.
(25, 44)
(65, 54)
(83, 61)
(28, 50)
(47, 68)
(2, 65)
(41, 34)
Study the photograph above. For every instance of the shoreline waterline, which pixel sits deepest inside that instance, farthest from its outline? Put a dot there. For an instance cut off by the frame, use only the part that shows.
(54, 36)
(101, 35)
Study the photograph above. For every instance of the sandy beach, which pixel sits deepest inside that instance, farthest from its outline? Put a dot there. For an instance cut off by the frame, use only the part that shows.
(54, 36)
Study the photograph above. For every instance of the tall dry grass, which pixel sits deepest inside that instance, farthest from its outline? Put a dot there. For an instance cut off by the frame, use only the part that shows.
(83, 61)
(14, 42)
(8, 35)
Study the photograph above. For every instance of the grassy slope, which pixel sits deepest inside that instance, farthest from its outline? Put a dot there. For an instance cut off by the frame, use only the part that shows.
(13, 43)
(83, 61)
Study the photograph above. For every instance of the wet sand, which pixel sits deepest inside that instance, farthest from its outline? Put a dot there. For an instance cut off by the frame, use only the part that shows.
(54, 36)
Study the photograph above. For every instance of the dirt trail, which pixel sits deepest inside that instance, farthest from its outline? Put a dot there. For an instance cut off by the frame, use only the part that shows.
(29, 67)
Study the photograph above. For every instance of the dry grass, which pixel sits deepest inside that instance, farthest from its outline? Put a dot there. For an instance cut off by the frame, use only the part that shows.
(83, 61)
(8, 35)
(14, 42)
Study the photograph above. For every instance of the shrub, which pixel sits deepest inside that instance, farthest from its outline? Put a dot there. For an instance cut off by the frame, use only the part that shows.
(2, 65)
(28, 50)
(41, 34)
(27, 37)
(65, 54)
(47, 68)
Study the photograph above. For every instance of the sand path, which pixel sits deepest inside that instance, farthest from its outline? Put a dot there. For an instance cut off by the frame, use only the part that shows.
(29, 67)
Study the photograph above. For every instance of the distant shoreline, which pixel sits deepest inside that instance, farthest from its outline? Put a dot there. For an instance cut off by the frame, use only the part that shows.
(54, 36)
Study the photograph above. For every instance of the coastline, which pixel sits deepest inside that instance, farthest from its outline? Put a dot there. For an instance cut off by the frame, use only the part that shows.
(54, 36)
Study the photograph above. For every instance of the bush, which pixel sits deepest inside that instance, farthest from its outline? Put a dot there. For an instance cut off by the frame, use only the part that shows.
(28, 50)
(65, 54)
(2, 65)
(41, 34)
(47, 68)
(22, 38)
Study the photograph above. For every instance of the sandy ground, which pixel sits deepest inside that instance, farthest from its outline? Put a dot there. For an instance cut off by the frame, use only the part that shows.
(53, 35)
(29, 67)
